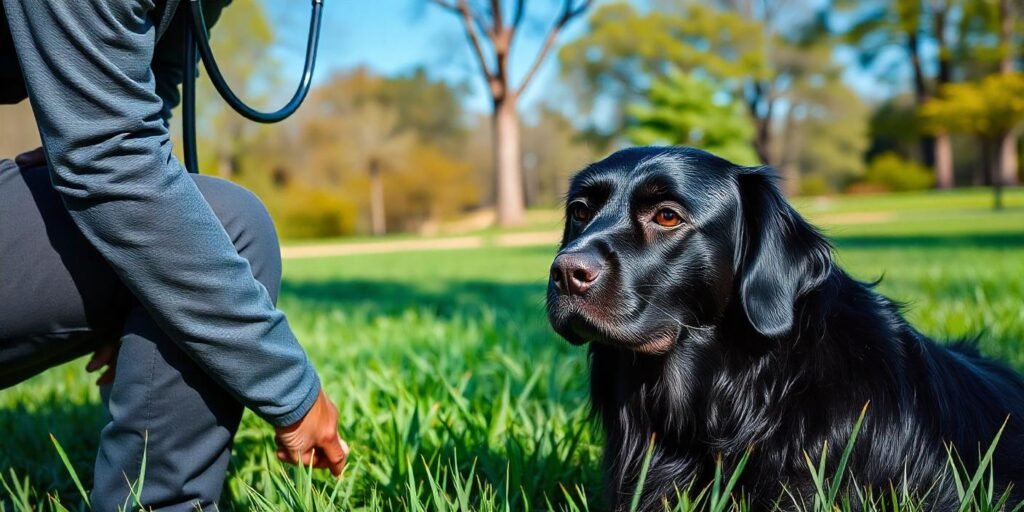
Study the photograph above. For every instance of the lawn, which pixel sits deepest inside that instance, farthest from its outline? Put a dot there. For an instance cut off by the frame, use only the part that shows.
(448, 377)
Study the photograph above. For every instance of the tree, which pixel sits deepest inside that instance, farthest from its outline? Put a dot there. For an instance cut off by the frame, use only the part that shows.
(374, 143)
(1008, 165)
(491, 39)
(827, 141)
(428, 187)
(625, 51)
(552, 152)
(883, 27)
(788, 31)
(760, 53)
(432, 109)
(989, 109)
(682, 109)
(392, 145)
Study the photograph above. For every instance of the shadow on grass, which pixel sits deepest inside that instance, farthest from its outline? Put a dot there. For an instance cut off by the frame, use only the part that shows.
(444, 299)
(26, 449)
(938, 242)
(447, 297)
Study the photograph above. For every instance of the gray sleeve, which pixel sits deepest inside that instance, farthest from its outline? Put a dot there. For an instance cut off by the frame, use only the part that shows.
(89, 78)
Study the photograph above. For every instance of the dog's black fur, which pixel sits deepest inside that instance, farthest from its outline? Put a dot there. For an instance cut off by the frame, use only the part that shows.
(736, 329)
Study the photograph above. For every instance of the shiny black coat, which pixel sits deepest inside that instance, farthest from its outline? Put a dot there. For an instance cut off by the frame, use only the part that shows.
(735, 329)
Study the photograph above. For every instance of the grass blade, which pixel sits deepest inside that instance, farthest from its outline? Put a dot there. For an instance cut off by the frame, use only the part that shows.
(837, 479)
(643, 475)
(74, 475)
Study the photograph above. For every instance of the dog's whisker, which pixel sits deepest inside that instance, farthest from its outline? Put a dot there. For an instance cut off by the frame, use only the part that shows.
(673, 317)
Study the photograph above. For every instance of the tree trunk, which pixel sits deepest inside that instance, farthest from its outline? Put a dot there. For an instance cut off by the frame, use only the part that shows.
(1008, 164)
(989, 166)
(789, 160)
(943, 161)
(927, 143)
(995, 173)
(762, 123)
(762, 142)
(1008, 142)
(507, 162)
(377, 220)
(942, 146)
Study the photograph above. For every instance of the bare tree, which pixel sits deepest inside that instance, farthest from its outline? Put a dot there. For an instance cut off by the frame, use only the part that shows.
(491, 38)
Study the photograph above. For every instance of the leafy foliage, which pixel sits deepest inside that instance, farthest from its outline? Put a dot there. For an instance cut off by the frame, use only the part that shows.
(685, 110)
(553, 150)
(891, 172)
(988, 107)
(626, 50)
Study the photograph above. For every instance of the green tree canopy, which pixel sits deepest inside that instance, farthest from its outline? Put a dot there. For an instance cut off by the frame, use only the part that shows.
(988, 107)
(685, 110)
(626, 50)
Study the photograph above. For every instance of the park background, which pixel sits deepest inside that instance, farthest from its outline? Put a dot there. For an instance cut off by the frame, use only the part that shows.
(418, 193)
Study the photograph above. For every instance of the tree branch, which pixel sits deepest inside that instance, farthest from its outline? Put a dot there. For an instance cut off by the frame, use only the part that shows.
(469, 22)
(517, 16)
(496, 16)
(446, 4)
(568, 13)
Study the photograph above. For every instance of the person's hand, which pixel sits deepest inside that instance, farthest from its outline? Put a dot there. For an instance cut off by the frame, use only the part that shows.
(33, 158)
(104, 357)
(314, 439)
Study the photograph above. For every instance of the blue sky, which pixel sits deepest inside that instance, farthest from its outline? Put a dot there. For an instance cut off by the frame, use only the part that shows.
(396, 36)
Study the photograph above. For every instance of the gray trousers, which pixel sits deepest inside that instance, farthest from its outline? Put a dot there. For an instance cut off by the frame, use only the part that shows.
(59, 299)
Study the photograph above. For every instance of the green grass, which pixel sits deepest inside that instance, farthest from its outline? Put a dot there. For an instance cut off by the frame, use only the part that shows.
(454, 394)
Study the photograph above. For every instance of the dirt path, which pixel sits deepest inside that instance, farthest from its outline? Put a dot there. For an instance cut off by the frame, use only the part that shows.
(429, 244)
(531, 238)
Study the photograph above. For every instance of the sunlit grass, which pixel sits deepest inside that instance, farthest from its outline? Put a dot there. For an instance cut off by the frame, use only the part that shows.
(455, 395)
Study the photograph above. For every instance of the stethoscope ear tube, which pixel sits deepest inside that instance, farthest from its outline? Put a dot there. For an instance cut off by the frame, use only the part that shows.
(197, 40)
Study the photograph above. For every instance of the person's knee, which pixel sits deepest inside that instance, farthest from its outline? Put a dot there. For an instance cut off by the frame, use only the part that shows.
(249, 226)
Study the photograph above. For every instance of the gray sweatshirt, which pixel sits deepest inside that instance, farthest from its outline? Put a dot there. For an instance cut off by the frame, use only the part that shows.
(102, 76)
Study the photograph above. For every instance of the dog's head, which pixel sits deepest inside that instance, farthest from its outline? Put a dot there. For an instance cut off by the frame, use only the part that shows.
(659, 242)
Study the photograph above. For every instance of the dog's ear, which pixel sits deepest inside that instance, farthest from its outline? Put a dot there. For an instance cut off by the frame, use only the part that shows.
(779, 256)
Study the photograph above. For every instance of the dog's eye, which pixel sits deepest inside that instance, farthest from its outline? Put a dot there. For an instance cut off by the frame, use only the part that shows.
(667, 218)
(580, 212)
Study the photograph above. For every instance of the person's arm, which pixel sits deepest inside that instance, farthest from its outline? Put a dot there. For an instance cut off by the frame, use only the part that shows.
(87, 70)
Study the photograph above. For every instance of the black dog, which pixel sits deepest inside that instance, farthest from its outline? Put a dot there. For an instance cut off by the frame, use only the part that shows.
(719, 321)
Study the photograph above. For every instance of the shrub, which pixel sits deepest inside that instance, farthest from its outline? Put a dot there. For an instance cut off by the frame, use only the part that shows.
(893, 173)
(302, 212)
(814, 186)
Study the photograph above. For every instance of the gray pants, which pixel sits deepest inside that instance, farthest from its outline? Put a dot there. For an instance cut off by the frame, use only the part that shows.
(59, 299)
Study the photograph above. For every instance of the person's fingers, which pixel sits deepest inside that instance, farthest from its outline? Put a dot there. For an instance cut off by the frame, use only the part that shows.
(32, 158)
(291, 457)
(105, 355)
(295, 452)
(107, 377)
(314, 439)
(93, 364)
(335, 453)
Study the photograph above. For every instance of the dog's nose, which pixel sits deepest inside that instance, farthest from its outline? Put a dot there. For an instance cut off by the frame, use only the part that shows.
(574, 272)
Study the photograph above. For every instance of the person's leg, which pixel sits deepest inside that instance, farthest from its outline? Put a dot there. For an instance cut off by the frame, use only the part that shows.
(58, 299)
(163, 404)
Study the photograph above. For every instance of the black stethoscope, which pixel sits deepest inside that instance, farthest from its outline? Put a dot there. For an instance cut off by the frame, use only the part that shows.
(197, 39)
